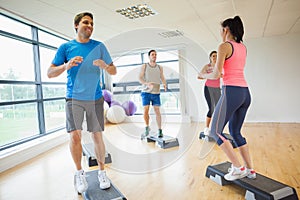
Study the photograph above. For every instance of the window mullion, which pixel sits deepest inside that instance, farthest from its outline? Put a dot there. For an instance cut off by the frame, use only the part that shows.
(38, 79)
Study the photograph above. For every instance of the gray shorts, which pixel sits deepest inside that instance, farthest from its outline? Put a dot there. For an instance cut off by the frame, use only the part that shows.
(93, 111)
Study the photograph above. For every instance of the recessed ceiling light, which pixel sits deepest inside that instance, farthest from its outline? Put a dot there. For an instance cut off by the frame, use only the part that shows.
(169, 34)
(138, 11)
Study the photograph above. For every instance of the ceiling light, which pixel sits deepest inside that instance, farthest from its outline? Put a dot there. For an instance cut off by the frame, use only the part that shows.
(138, 11)
(169, 34)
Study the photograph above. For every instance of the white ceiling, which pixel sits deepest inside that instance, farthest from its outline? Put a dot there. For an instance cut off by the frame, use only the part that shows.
(199, 20)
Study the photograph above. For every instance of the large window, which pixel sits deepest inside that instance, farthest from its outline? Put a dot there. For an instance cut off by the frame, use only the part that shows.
(31, 105)
(126, 85)
(46, 56)
(15, 61)
(54, 114)
(15, 27)
(17, 122)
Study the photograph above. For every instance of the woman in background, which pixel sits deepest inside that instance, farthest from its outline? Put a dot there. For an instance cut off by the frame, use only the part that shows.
(212, 91)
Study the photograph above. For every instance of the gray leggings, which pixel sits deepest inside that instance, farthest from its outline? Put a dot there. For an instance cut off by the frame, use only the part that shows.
(212, 96)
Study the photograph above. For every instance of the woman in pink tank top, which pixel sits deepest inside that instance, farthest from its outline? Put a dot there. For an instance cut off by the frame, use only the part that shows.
(212, 91)
(235, 99)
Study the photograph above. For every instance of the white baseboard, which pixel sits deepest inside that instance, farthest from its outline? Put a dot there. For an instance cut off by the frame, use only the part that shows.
(166, 119)
(16, 155)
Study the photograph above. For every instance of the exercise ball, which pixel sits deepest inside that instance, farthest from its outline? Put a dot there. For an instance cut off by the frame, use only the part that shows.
(107, 95)
(129, 107)
(115, 114)
(105, 108)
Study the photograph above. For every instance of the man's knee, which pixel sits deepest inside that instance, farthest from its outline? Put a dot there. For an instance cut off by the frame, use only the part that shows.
(157, 110)
(75, 137)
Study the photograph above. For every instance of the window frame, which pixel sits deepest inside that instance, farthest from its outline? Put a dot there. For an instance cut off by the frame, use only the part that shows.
(39, 100)
(123, 85)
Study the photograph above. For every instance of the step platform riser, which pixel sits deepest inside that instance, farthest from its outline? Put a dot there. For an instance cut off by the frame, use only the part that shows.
(88, 151)
(261, 188)
(95, 193)
(164, 142)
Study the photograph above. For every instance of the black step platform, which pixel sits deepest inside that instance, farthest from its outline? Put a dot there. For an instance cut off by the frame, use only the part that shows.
(261, 188)
(95, 193)
(202, 136)
(88, 151)
(164, 142)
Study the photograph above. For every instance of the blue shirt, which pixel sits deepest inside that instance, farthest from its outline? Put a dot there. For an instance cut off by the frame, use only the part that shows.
(83, 81)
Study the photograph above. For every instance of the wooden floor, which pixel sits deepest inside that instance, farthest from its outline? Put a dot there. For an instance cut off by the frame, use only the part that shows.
(144, 171)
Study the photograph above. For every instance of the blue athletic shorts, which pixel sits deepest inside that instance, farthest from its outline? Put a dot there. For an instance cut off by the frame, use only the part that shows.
(149, 98)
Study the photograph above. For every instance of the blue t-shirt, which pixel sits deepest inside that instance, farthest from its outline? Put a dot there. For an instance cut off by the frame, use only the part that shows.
(83, 81)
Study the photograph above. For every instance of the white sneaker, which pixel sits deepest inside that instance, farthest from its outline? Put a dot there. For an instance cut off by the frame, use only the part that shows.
(80, 182)
(206, 131)
(251, 174)
(103, 180)
(236, 173)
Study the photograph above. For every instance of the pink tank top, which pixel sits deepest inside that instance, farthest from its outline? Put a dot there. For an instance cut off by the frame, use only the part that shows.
(215, 83)
(233, 69)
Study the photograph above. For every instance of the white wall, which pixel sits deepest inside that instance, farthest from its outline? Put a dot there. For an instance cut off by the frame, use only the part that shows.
(271, 72)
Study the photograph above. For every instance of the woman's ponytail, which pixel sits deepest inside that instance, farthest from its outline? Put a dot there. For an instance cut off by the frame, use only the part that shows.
(236, 27)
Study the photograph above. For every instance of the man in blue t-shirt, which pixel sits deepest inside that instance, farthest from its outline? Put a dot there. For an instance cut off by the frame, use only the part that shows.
(83, 59)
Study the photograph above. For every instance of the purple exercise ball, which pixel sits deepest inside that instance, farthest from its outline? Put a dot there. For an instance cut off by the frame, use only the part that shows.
(129, 107)
(107, 95)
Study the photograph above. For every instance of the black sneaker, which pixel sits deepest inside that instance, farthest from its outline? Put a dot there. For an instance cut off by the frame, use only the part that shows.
(144, 135)
(160, 134)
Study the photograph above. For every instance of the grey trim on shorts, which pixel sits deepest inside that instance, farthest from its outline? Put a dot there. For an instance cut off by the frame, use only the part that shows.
(94, 115)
